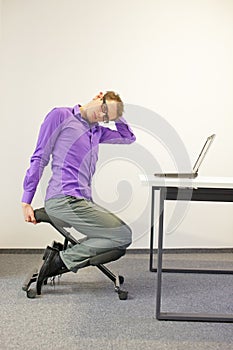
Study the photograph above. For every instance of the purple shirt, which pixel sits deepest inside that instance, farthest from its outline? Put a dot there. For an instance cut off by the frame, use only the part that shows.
(73, 144)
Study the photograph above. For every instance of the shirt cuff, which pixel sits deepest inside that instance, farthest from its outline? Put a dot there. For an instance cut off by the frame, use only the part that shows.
(27, 197)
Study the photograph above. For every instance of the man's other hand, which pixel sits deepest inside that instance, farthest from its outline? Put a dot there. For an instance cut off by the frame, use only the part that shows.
(28, 213)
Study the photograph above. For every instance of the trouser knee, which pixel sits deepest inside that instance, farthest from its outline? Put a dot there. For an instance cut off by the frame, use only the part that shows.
(127, 236)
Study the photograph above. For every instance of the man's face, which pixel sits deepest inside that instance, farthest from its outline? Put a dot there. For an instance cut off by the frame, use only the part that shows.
(96, 112)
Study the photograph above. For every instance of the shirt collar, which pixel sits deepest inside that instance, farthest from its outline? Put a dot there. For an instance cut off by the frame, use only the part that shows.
(77, 114)
(76, 110)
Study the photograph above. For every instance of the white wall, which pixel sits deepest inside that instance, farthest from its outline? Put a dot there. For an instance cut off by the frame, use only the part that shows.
(171, 58)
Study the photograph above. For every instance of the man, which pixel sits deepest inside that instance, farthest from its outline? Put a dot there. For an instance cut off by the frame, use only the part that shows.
(72, 136)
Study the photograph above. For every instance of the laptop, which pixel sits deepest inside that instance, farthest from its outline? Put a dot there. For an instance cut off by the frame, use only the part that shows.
(196, 166)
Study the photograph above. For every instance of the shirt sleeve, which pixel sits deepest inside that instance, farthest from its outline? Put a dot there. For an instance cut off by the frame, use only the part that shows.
(123, 134)
(47, 136)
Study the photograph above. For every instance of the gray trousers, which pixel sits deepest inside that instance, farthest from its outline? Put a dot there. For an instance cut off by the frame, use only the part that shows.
(104, 231)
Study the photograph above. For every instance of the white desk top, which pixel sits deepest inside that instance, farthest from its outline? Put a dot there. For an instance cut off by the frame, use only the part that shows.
(199, 181)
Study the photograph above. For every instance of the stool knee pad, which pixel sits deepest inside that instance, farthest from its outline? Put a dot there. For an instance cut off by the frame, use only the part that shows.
(107, 257)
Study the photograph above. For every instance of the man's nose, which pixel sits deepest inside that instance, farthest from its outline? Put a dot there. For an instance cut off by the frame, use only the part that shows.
(101, 115)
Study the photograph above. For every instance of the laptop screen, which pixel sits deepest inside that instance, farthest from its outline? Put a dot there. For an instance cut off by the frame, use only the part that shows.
(204, 150)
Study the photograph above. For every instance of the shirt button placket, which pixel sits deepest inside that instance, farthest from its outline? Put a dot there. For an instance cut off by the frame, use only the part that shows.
(91, 147)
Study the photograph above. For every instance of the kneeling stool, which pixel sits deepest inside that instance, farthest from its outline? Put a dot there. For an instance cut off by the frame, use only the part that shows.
(98, 260)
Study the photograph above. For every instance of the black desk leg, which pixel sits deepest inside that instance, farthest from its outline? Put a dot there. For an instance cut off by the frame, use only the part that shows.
(160, 252)
(152, 230)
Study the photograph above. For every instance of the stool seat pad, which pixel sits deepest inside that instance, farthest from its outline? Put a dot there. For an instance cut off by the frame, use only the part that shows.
(42, 216)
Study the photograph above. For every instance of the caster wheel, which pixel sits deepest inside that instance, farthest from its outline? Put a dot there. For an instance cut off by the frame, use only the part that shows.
(123, 295)
(31, 293)
(121, 279)
(32, 276)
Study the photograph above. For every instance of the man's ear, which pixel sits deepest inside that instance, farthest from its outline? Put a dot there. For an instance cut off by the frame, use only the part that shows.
(100, 95)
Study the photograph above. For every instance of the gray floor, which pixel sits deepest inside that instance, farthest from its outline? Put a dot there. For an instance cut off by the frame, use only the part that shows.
(84, 312)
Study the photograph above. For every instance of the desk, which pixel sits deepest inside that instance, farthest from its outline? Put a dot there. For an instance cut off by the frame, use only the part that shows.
(200, 189)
